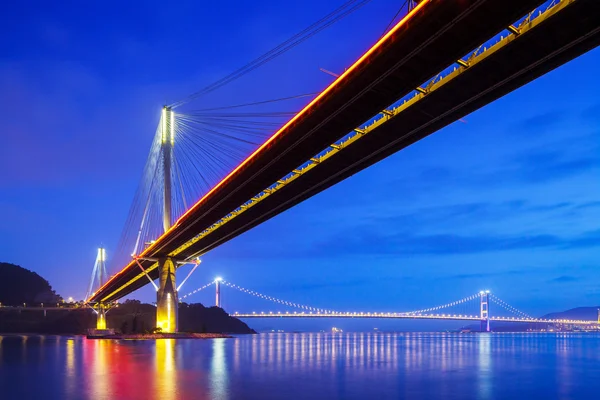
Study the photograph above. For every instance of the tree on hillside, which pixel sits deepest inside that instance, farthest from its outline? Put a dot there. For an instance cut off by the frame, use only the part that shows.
(19, 285)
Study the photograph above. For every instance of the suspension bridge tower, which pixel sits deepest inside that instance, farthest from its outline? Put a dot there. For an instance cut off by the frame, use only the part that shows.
(167, 300)
(484, 310)
(218, 292)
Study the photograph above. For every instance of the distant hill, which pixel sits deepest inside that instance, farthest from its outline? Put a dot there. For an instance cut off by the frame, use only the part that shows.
(581, 313)
(19, 285)
(584, 313)
(133, 316)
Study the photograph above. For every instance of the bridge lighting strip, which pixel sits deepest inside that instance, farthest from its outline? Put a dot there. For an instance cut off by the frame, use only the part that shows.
(358, 133)
(454, 303)
(284, 302)
(135, 278)
(405, 316)
(334, 148)
(197, 290)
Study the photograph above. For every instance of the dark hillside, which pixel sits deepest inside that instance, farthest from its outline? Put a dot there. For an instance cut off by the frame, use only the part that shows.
(19, 285)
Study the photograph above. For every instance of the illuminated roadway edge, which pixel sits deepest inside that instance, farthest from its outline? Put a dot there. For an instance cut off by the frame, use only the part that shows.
(409, 316)
(132, 281)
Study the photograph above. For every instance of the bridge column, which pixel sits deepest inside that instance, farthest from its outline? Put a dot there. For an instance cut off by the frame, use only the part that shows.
(101, 317)
(218, 292)
(167, 301)
(484, 302)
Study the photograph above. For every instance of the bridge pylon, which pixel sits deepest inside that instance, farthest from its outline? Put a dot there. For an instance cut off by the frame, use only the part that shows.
(99, 276)
(167, 144)
(484, 310)
(167, 301)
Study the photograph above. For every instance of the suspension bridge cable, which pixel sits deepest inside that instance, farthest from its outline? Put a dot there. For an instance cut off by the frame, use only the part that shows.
(336, 15)
(198, 290)
(454, 303)
(275, 300)
(258, 102)
(508, 307)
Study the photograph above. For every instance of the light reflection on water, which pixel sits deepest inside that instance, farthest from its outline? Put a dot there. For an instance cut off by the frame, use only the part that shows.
(299, 366)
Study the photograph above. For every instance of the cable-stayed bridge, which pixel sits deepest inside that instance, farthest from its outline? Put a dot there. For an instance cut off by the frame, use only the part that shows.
(476, 307)
(215, 173)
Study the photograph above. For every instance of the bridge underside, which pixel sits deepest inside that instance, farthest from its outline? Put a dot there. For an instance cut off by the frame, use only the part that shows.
(432, 39)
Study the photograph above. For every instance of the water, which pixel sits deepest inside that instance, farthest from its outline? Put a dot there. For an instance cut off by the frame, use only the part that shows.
(304, 366)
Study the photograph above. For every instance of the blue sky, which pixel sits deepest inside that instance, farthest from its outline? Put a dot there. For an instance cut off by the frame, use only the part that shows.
(508, 201)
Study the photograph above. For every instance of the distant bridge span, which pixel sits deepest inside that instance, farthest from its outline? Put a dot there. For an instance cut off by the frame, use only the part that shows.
(388, 315)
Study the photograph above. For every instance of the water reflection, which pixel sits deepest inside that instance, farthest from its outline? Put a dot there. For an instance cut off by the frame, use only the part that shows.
(166, 370)
(97, 350)
(218, 370)
(348, 365)
(485, 365)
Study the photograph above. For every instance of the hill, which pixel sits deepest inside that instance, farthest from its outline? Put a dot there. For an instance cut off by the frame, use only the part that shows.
(19, 285)
(580, 313)
(584, 313)
(129, 317)
(132, 316)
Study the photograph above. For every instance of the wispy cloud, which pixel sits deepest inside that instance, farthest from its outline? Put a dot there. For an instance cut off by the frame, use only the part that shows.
(565, 279)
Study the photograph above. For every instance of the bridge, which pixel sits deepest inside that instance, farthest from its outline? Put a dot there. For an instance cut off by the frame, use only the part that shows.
(441, 61)
(476, 308)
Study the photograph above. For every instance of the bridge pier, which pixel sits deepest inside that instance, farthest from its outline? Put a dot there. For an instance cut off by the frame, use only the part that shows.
(101, 317)
(167, 301)
(484, 303)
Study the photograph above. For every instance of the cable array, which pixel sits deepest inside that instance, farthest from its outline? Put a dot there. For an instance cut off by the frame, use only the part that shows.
(273, 299)
(508, 307)
(206, 147)
(345, 9)
(454, 303)
(197, 290)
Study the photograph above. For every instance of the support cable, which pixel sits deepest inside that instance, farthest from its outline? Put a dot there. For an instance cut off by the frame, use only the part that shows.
(339, 13)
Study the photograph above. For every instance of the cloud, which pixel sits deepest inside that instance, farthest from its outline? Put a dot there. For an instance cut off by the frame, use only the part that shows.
(454, 229)
(544, 166)
(565, 279)
(540, 123)
(371, 241)
(481, 275)
(592, 113)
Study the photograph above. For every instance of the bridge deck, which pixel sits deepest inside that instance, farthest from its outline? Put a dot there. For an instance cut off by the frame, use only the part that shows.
(388, 315)
(432, 38)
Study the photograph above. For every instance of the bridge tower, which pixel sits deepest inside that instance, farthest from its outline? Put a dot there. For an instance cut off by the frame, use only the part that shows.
(484, 310)
(167, 301)
(218, 292)
(99, 276)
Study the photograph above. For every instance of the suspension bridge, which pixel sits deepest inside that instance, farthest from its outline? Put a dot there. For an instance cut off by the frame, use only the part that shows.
(476, 307)
(214, 173)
